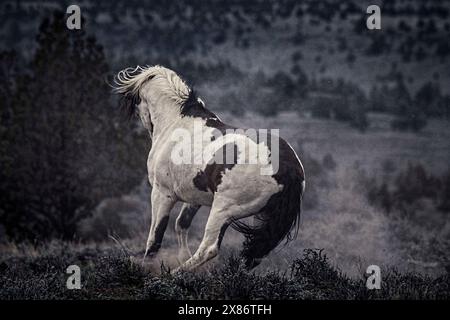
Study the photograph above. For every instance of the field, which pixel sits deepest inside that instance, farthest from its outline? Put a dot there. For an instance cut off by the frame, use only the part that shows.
(107, 273)
(341, 234)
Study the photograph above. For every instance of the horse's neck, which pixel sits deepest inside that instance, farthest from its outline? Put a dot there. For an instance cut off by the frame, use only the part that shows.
(162, 120)
(165, 114)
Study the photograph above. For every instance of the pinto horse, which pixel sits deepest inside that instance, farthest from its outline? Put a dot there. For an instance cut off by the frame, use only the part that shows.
(234, 189)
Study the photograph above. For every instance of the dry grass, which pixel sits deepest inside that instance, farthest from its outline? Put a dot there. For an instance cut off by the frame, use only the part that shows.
(108, 273)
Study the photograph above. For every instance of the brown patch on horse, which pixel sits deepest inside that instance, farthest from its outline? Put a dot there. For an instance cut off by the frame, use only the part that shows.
(210, 178)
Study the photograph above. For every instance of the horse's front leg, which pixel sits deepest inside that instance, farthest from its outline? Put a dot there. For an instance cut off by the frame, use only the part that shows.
(182, 225)
(162, 202)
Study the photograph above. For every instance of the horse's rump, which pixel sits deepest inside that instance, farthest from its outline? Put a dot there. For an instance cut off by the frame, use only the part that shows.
(280, 217)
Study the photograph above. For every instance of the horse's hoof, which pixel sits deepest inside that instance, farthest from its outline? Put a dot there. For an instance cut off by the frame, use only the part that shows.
(178, 270)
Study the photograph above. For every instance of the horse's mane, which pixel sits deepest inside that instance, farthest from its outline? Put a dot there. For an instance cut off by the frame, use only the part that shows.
(169, 85)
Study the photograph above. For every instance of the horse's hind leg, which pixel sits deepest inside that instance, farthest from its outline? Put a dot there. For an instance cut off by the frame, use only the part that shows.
(182, 225)
(219, 218)
(162, 203)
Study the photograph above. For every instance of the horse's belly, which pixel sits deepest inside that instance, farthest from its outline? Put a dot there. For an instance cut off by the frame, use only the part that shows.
(192, 197)
(187, 192)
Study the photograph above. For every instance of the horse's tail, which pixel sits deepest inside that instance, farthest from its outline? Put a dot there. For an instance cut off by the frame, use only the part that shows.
(278, 219)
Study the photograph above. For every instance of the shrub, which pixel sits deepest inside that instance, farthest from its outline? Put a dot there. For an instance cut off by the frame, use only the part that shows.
(109, 274)
(407, 191)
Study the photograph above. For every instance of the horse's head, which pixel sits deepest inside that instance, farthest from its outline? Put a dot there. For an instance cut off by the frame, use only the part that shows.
(155, 93)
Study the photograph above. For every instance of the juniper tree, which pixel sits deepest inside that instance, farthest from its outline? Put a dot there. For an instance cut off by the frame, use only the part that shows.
(66, 147)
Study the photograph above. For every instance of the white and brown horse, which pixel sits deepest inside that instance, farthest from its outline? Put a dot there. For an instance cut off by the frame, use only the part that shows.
(234, 189)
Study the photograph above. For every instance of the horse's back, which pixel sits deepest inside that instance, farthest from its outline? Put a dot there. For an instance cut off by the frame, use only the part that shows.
(228, 171)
